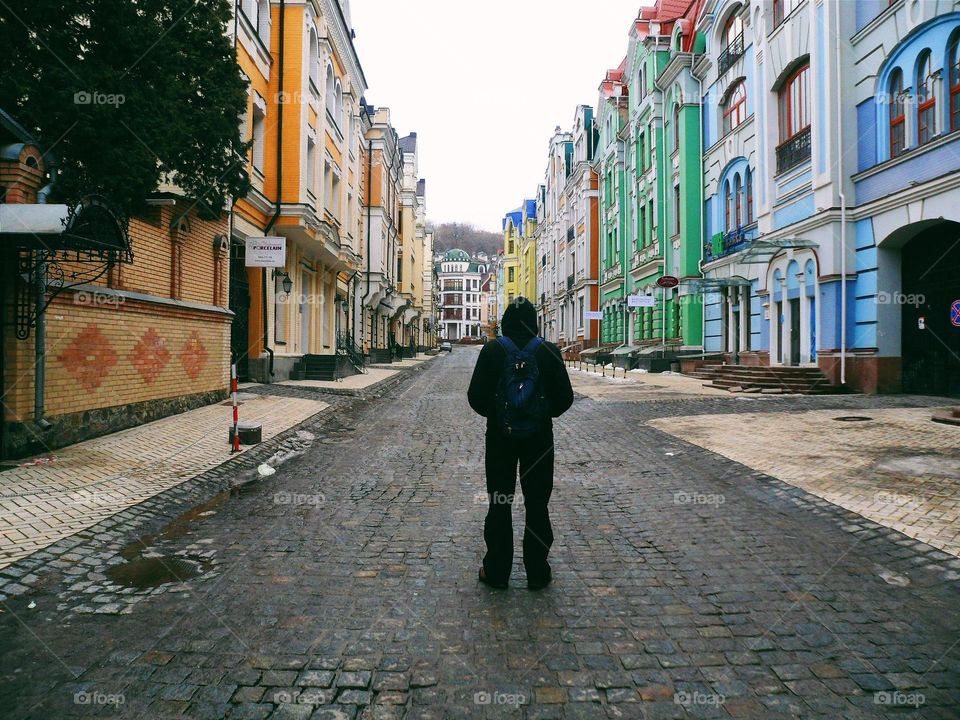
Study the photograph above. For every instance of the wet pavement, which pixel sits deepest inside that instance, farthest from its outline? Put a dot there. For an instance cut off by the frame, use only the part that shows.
(344, 585)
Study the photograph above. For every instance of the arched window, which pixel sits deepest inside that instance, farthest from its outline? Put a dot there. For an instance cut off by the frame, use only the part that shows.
(954, 79)
(338, 115)
(641, 85)
(735, 108)
(733, 33)
(738, 198)
(926, 101)
(748, 186)
(898, 125)
(727, 203)
(794, 108)
(330, 97)
(676, 127)
(313, 61)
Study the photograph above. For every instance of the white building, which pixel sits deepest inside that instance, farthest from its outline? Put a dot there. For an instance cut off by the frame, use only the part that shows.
(460, 278)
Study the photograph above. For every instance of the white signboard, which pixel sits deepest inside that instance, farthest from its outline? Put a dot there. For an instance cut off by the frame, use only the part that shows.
(593, 314)
(266, 252)
(641, 301)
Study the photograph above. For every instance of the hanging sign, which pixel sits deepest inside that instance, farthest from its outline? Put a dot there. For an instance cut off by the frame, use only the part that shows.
(266, 252)
(668, 281)
(593, 314)
(641, 301)
(955, 313)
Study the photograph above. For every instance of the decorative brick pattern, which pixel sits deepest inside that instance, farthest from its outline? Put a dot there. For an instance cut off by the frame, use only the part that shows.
(89, 357)
(150, 356)
(194, 356)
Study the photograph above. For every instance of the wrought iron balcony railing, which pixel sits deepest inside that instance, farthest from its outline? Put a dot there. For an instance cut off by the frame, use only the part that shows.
(731, 53)
(794, 151)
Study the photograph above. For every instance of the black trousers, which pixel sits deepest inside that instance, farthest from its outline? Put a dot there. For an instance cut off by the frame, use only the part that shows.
(534, 458)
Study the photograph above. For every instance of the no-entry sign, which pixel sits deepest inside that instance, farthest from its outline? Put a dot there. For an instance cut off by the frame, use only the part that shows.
(668, 281)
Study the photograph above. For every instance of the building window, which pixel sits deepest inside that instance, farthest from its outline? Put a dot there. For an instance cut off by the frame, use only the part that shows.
(926, 100)
(782, 8)
(898, 116)
(263, 22)
(738, 194)
(727, 205)
(259, 136)
(676, 127)
(329, 94)
(313, 61)
(794, 106)
(511, 276)
(311, 165)
(735, 109)
(676, 209)
(748, 186)
(732, 42)
(954, 79)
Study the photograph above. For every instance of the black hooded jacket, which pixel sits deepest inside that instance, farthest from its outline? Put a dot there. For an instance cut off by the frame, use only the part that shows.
(520, 325)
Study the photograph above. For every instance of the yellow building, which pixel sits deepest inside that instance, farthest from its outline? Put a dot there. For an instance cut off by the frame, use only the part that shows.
(520, 253)
(305, 167)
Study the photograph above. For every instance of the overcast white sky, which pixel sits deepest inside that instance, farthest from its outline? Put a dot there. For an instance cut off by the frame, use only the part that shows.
(484, 85)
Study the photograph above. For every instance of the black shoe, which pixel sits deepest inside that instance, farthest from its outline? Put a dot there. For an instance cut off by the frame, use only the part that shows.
(490, 583)
(539, 582)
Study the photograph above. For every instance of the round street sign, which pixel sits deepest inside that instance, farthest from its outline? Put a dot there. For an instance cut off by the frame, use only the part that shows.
(668, 281)
(955, 313)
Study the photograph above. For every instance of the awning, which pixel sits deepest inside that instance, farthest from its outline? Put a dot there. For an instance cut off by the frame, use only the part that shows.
(625, 350)
(590, 351)
(89, 227)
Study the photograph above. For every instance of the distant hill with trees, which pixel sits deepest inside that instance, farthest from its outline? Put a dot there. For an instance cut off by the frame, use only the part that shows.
(447, 236)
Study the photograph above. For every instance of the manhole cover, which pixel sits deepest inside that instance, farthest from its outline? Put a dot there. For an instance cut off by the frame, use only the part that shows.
(853, 418)
(154, 571)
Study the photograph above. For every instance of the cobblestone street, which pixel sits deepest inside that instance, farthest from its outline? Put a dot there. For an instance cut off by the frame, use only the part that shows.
(344, 585)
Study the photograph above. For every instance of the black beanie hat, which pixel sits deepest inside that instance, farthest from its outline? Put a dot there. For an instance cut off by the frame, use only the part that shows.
(520, 320)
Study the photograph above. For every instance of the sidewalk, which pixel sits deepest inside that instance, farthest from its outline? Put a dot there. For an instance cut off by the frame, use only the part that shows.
(894, 466)
(85, 483)
(637, 386)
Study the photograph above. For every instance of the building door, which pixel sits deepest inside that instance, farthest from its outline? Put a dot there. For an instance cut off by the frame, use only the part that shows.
(305, 312)
(778, 330)
(240, 305)
(795, 331)
(930, 311)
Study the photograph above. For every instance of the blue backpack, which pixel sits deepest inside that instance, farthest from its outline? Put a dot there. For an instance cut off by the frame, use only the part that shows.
(522, 410)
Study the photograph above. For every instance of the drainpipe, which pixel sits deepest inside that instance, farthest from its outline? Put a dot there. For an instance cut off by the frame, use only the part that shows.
(843, 214)
(366, 294)
(40, 336)
(279, 171)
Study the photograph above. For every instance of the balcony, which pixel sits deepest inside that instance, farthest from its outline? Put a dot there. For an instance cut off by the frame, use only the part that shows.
(794, 151)
(723, 244)
(730, 54)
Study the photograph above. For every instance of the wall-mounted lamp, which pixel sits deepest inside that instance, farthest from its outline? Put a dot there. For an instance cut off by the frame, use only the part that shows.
(286, 283)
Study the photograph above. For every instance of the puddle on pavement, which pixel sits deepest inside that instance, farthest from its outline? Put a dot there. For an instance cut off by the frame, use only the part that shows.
(144, 573)
(921, 466)
(176, 528)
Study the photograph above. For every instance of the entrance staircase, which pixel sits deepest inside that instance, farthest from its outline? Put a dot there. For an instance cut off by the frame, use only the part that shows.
(319, 367)
(766, 380)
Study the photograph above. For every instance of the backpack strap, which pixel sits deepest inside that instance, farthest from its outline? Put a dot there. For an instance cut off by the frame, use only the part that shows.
(507, 344)
(535, 342)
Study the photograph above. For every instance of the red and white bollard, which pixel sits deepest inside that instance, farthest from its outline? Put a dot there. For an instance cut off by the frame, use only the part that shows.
(236, 409)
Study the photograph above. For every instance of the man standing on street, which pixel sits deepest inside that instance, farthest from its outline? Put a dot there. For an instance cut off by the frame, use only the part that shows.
(519, 384)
